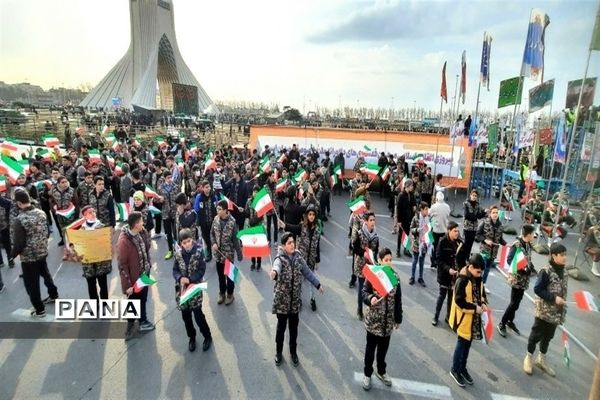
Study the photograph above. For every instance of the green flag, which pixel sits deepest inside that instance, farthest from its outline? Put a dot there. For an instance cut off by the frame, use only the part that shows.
(492, 137)
(595, 43)
(511, 91)
(541, 96)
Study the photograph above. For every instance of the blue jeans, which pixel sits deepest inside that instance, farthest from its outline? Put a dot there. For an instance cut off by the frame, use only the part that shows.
(489, 264)
(420, 258)
(461, 353)
(361, 284)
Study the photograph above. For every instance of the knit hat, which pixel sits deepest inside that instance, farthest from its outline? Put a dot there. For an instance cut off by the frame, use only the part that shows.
(138, 195)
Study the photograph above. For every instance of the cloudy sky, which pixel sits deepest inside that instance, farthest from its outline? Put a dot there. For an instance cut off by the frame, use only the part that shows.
(304, 53)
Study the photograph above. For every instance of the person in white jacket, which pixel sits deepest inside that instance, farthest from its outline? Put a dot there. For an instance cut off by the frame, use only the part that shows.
(439, 214)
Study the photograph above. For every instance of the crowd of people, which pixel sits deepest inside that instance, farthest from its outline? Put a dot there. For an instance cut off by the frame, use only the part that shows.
(201, 198)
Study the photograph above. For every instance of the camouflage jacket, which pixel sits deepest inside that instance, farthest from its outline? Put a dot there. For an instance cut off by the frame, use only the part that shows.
(84, 191)
(62, 200)
(34, 236)
(193, 269)
(291, 271)
(94, 270)
(416, 231)
(359, 245)
(545, 307)
(223, 233)
(381, 317)
(520, 280)
(493, 232)
(104, 206)
(307, 242)
(473, 213)
(169, 208)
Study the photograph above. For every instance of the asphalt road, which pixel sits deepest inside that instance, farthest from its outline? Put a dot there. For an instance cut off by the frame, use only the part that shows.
(331, 341)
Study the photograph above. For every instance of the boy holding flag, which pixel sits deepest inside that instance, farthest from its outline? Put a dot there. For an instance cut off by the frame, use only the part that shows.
(189, 268)
(518, 280)
(384, 314)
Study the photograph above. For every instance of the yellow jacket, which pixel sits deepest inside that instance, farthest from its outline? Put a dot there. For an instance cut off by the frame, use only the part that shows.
(463, 305)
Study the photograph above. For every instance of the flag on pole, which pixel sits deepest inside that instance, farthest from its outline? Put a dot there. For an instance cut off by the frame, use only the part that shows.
(533, 55)
(519, 261)
(192, 291)
(300, 175)
(262, 202)
(511, 91)
(541, 96)
(66, 212)
(487, 326)
(124, 211)
(357, 206)
(385, 173)
(381, 277)
(50, 140)
(143, 281)
(595, 42)
(333, 180)
(585, 301)
(371, 169)
(160, 141)
(485, 60)
(2, 183)
(265, 165)
(566, 350)
(282, 158)
(369, 256)
(105, 129)
(463, 76)
(428, 235)
(503, 257)
(209, 163)
(149, 192)
(281, 185)
(337, 170)
(118, 169)
(11, 168)
(560, 146)
(231, 271)
(406, 241)
(444, 88)
(254, 241)
(94, 156)
(110, 139)
(367, 148)
(230, 204)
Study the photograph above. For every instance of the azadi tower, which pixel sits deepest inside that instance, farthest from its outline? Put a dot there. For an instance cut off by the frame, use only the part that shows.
(153, 57)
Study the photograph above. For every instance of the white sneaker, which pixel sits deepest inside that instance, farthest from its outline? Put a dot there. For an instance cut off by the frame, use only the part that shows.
(487, 290)
(387, 381)
(366, 382)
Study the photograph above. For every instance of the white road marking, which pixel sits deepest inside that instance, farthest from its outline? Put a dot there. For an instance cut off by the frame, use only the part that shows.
(58, 269)
(497, 396)
(382, 216)
(414, 388)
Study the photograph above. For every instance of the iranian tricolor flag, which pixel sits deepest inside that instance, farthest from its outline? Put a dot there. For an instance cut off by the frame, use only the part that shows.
(385, 173)
(2, 184)
(337, 170)
(50, 140)
(369, 256)
(143, 281)
(402, 182)
(77, 224)
(231, 271)
(94, 156)
(280, 186)
(254, 242)
(180, 164)
(66, 212)
(40, 184)
(25, 165)
(381, 277)
(262, 202)
(282, 158)
(503, 257)
(192, 291)
(358, 205)
(585, 301)
(111, 161)
(124, 211)
(230, 204)
(265, 165)
(300, 175)
(161, 141)
(487, 325)
(105, 129)
(406, 241)
(209, 163)
(519, 261)
(116, 145)
(428, 235)
(11, 168)
(9, 146)
(149, 192)
(110, 139)
(44, 153)
(370, 169)
(333, 180)
(118, 169)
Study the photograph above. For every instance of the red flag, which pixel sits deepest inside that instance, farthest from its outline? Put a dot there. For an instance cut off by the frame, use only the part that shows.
(463, 76)
(444, 90)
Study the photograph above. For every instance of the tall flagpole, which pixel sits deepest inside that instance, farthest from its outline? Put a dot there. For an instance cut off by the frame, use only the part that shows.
(570, 148)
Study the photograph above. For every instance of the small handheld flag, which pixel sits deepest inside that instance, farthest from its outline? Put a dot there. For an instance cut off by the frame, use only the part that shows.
(192, 291)
(566, 350)
(143, 281)
(585, 301)
(487, 325)
(382, 277)
(231, 271)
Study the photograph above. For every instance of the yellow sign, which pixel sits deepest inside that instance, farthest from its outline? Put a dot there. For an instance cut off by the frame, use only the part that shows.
(91, 246)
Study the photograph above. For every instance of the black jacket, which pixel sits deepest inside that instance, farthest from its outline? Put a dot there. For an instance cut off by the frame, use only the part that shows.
(446, 255)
